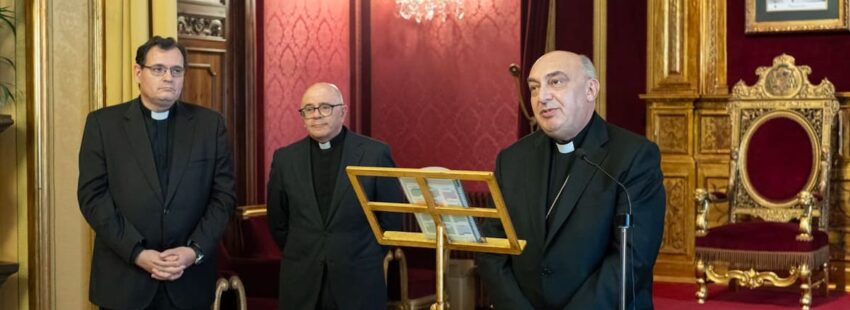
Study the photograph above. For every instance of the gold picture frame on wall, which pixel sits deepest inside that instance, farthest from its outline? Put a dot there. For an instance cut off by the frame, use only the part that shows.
(796, 15)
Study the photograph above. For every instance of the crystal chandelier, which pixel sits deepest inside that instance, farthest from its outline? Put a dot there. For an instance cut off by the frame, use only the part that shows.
(420, 10)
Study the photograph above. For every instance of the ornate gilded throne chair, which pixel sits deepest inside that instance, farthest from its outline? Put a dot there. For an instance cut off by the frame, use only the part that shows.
(782, 146)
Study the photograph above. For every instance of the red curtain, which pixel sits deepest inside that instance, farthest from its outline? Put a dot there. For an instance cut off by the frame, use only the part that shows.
(535, 14)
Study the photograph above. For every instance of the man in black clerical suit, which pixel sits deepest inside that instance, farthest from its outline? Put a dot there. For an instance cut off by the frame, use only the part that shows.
(566, 208)
(330, 259)
(156, 185)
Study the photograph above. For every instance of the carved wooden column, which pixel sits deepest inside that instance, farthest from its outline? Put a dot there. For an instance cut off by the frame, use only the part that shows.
(839, 216)
(686, 88)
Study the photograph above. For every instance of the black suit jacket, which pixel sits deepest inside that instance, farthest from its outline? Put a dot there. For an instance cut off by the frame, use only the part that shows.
(345, 244)
(575, 264)
(120, 197)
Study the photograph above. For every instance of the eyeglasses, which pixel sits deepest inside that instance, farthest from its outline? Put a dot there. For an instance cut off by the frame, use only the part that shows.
(324, 109)
(159, 70)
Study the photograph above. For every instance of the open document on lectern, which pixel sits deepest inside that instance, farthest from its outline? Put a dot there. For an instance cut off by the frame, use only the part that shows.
(446, 193)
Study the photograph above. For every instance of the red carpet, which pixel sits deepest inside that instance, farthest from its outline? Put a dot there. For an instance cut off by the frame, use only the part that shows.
(681, 296)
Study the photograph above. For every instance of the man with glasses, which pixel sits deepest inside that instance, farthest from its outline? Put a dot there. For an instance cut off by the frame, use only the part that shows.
(156, 186)
(331, 259)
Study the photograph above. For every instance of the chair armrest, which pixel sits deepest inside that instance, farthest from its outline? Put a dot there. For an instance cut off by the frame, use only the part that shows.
(703, 199)
(404, 296)
(246, 212)
(224, 284)
(807, 200)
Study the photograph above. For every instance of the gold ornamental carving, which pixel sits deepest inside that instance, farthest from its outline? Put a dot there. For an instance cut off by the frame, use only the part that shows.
(674, 240)
(783, 80)
(672, 134)
(713, 51)
(714, 137)
(674, 26)
(754, 279)
(841, 209)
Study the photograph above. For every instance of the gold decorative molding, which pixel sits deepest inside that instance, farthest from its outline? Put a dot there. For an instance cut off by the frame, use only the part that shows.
(713, 134)
(672, 132)
(702, 288)
(713, 48)
(674, 36)
(749, 130)
(675, 240)
(97, 57)
(600, 52)
(672, 41)
(551, 20)
(842, 22)
(783, 80)
(840, 211)
(754, 279)
(42, 284)
(773, 215)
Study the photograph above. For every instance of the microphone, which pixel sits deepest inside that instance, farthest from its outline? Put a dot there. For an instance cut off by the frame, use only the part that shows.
(624, 221)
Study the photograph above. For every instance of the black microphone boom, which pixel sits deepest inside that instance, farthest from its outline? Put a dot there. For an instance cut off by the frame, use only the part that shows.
(624, 222)
(627, 216)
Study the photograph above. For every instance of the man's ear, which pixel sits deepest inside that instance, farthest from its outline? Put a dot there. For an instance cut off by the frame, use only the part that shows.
(591, 89)
(137, 73)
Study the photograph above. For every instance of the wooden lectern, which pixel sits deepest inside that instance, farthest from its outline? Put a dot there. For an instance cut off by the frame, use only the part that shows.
(509, 245)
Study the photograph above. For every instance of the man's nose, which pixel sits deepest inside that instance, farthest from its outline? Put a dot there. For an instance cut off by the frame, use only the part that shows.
(543, 94)
(315, 114)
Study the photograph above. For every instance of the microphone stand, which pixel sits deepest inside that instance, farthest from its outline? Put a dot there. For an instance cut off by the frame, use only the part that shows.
(624, 222)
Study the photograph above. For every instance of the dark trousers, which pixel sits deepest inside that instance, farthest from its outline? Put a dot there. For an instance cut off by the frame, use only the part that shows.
(326, 299)
(161, 301)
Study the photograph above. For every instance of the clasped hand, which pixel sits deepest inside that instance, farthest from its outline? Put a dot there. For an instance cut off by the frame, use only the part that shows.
(167, 265)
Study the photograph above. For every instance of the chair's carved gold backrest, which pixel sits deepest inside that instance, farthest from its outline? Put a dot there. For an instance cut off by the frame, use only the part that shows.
(783, 141)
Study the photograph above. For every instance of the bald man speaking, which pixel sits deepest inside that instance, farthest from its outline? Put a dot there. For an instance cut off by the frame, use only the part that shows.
(330, 258)
(564, 187)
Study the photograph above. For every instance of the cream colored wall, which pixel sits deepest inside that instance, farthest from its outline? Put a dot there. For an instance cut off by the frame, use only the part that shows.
(70, 91)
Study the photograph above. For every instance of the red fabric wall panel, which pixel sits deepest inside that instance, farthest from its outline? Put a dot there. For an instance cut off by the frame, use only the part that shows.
(441, 92)
(305, 41)
(825, 52)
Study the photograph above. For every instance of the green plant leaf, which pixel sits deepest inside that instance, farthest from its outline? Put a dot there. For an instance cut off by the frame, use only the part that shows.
(8, 18)
(7, 94)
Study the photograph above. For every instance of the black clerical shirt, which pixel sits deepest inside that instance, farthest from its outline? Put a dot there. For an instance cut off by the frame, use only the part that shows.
(161, 135)
(559, 168)
(325, 166)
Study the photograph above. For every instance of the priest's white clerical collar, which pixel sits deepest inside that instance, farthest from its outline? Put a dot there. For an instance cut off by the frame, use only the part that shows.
(565, 148)
(325, 145)
(160, 115)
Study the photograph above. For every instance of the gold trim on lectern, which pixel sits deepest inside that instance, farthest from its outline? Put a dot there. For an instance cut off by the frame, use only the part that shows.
(508, 245)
